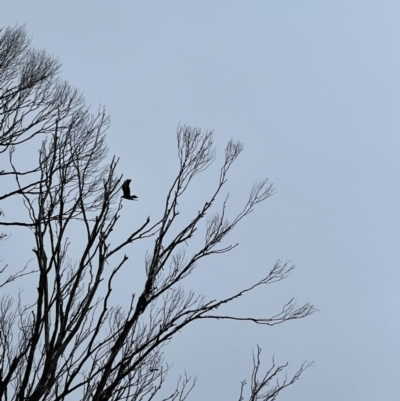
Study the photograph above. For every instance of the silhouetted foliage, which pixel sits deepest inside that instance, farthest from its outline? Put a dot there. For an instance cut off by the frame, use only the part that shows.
(69, 342)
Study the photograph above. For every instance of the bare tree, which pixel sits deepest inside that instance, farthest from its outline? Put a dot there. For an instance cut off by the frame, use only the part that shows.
(70, 342)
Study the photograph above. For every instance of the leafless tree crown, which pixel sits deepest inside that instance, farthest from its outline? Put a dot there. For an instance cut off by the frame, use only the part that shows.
(70, 342)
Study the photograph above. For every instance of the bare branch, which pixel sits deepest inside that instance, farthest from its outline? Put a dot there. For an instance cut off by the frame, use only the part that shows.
(72, 340)
(266, 387)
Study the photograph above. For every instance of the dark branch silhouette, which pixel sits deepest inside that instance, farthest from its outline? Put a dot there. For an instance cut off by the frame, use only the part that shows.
(72, 340)
(266, 387)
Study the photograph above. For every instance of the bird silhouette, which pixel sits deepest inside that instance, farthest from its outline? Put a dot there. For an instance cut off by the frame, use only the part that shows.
(127, 191)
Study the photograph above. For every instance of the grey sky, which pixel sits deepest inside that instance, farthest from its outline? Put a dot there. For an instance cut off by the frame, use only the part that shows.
(313, 90)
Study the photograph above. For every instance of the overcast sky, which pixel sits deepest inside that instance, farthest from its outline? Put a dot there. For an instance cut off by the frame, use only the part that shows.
(313, 90)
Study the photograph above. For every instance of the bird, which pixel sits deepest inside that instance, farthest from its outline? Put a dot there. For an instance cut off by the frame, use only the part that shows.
(127, 191)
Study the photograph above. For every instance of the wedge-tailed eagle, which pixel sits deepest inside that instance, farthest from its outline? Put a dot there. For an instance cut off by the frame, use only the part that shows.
(127, 191)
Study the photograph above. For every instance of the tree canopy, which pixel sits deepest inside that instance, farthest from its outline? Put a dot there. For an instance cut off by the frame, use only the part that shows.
(69, 342)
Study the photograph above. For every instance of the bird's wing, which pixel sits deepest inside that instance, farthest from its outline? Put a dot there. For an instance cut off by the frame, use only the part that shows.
(125, 188)
(128, 189)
